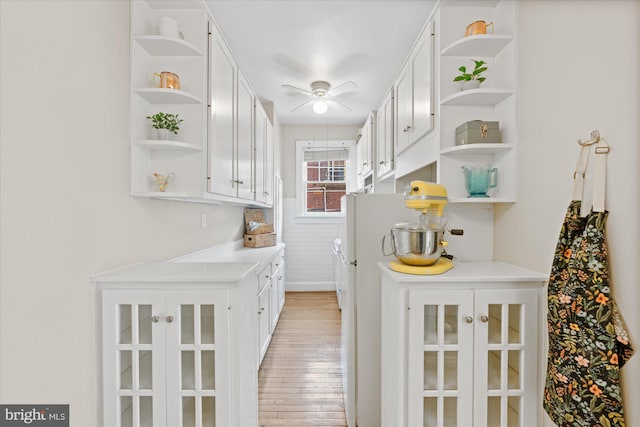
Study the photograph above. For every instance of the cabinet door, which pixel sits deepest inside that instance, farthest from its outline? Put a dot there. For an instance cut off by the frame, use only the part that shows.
(133, 359)
(274, 310)
(440, 358)
(244, 140)
(264, 325)
(260, 153)
(403, 104)
(222, 77)
(197, 358)
(384, 141)
(360, 162)
(506, 358)
(367, 138)
(268, 166)
(422, 89)
(280, 288)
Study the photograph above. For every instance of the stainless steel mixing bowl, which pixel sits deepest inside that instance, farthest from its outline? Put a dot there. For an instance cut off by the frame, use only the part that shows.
(415, 244)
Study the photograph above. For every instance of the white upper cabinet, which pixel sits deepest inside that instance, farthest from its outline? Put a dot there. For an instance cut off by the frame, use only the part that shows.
(263, 156)
(385, 137)
(244, 139)
(414, 93)
(222, 83)
(422, 85)
(364, 151)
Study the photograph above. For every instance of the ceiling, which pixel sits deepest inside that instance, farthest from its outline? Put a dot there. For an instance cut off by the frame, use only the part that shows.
(298, 42)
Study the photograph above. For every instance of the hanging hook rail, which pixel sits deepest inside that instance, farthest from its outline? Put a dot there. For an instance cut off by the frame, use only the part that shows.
(595, 138)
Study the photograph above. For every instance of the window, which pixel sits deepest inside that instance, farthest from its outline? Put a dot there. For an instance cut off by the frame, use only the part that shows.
(326, 184)
(323, 176)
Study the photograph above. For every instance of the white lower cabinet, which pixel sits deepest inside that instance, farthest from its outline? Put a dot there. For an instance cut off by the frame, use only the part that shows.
(166, 358)
(270, 301)
(468, 352)
(264, 310)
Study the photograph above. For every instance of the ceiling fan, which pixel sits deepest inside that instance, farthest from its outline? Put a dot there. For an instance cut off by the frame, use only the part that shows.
(323, 95)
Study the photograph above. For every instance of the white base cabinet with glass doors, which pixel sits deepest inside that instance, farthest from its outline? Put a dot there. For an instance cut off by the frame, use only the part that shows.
(461, 349)
(176, 350)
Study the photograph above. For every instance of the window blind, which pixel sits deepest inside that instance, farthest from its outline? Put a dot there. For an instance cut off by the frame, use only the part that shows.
(318, 155)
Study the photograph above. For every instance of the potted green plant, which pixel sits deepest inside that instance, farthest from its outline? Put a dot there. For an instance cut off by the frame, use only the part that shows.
(473, 79)
(166, 124)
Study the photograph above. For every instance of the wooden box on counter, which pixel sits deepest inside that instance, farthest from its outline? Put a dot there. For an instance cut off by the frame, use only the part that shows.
(259, 240)
(256, 216)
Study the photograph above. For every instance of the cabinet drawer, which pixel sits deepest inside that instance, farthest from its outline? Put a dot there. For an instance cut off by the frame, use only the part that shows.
(263, 277)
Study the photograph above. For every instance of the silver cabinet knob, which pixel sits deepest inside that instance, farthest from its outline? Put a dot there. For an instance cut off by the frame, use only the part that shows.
(155, 319)
(468, 319)
(484, 318)
(169, 319)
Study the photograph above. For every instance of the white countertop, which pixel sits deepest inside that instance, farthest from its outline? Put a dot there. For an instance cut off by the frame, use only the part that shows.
(228, 262)
(479, 271)
(158, 272)
(232, 252)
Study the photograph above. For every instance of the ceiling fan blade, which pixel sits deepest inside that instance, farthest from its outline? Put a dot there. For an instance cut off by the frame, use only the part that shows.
(297, 89)
(343, 88)
(337, 105)
(304, 105)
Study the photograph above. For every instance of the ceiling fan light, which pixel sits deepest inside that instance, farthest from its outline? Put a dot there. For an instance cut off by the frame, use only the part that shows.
(320, 107)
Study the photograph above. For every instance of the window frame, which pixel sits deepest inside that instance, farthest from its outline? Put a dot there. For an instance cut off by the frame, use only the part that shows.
(301, 178)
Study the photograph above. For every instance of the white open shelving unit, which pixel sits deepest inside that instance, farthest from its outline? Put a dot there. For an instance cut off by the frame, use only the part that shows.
(153, 53)
(495, 100)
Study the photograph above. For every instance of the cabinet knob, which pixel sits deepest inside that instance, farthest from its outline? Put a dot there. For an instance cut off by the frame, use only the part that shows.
(155, 319)
(484, 318)
(169, 319)
(382, 162)
(238, 181)
(468, 319)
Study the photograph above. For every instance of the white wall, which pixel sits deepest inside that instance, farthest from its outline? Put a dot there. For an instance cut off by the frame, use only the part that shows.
(65, 212)
(578, 71)
(308, 253)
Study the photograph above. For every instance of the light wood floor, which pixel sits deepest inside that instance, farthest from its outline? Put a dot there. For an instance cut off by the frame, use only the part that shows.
(300, 380)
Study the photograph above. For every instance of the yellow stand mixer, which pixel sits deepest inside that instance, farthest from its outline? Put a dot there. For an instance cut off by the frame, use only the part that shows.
(419, 247)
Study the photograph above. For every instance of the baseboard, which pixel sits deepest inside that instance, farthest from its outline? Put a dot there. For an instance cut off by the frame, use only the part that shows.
(309, 286)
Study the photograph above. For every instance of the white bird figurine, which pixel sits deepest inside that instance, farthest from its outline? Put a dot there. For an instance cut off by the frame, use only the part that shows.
(163, 181)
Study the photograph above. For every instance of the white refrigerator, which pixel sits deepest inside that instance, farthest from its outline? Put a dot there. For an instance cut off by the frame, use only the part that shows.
(367, 218)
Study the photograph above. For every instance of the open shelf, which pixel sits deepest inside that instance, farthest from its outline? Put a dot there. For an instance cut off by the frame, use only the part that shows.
(482, 45)
(477, 97)
(481, 200)
(166, 46)
(166, 96)
(163, 195)
(476, 149)
(162, 145)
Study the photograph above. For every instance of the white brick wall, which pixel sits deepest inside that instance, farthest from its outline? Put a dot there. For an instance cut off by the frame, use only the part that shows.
(308, 254)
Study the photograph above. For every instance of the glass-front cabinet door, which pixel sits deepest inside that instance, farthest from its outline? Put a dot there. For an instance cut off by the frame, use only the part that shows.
(472, 358)
(197, 344)
(166, 361)
(506, 364)
(133, 347)
(440, 358)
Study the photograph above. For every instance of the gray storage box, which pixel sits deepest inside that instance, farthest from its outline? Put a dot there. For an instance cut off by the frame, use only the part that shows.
(477, 131)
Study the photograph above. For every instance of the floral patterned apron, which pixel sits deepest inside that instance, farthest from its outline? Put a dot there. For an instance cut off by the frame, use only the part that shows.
(588, 342)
